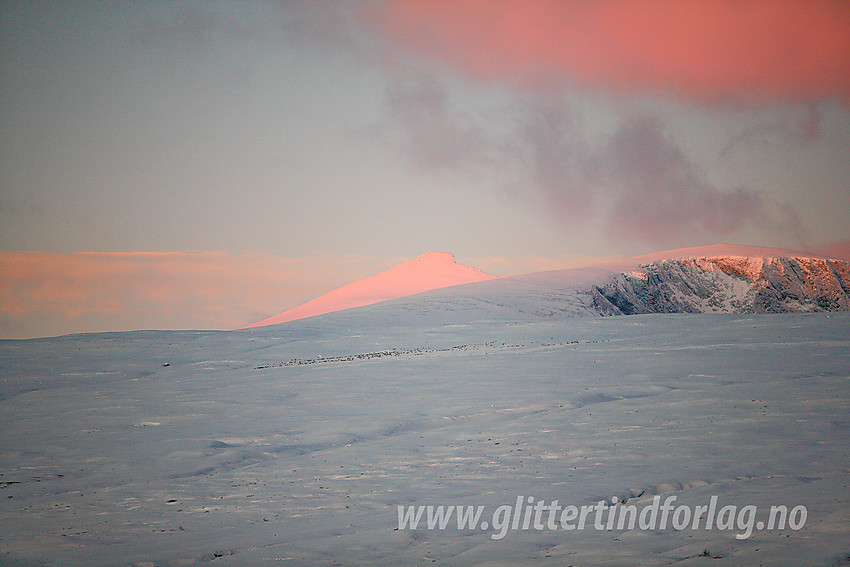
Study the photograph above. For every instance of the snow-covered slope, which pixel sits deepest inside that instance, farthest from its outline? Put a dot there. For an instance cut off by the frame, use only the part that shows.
(709, 279)
(432, 270)
(295, 444)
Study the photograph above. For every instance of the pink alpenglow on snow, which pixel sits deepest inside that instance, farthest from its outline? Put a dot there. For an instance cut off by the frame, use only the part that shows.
(433, 270)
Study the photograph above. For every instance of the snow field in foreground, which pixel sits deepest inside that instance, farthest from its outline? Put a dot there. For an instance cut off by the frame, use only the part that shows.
(297, 443)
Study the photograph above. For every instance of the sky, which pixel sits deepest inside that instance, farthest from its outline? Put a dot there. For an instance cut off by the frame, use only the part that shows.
(210, 164)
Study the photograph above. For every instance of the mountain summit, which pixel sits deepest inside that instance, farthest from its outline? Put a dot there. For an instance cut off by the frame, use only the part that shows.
(707, 279)
(432, 270)
(722, 278)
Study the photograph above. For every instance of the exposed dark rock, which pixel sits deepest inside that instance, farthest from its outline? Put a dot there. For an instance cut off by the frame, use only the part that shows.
(727, 285)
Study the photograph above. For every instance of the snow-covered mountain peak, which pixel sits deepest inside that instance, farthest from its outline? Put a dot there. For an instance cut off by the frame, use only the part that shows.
(435, 258)
(432, 270)
(720, 278)
(708, 279)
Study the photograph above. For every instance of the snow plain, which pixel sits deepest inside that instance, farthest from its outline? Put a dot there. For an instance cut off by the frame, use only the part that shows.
(295, 444)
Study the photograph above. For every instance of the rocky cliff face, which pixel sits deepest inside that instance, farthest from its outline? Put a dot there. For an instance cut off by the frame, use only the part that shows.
(726, 285)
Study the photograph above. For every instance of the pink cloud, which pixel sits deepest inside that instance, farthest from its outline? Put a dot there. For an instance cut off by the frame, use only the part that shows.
(703, 49)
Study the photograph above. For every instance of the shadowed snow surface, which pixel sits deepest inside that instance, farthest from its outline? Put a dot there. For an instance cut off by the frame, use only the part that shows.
(297, 442)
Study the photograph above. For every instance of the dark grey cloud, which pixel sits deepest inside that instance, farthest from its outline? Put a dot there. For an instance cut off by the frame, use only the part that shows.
(190, 27)
(423, 123)
(331, 27)
(656, 192)
(554, 158)
(801, 125)
(637, 179)
(310, 28)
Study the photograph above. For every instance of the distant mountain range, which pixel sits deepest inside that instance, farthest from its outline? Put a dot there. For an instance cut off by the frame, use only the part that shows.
(707, 279)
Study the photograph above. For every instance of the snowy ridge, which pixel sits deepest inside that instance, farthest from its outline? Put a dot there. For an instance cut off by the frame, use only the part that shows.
(728, 285)
(722, 278)
(432, 270)
(710, 279)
